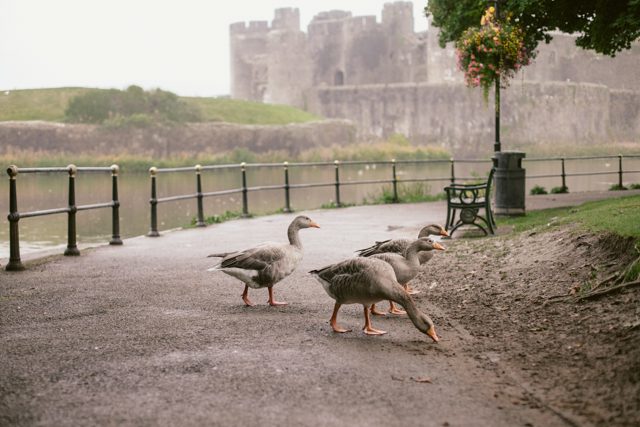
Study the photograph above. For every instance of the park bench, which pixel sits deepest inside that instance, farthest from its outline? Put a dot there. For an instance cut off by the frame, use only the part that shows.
(466, 200)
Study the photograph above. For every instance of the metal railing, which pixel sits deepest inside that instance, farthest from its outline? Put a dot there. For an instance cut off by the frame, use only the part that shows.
(15, 264)
(287, 186)
(564, 175)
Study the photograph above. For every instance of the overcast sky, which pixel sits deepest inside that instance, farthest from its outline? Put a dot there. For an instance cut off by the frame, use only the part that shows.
(176, 45)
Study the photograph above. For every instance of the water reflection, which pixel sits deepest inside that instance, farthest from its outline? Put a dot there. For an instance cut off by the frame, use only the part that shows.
(49, 191)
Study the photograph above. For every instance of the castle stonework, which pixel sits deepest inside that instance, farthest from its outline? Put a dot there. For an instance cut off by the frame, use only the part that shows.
(389, 79)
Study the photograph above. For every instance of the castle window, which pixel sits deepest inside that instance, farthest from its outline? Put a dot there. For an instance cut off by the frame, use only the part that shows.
(338, 79)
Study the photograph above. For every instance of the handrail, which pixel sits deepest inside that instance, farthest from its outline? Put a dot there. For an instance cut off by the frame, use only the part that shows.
(287, 186)
(15, 263)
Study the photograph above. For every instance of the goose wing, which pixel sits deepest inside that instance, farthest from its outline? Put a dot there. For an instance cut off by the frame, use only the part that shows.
(392, 245)
(256, 258)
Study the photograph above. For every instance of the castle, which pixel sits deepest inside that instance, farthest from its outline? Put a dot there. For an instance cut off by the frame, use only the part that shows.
(389, 79)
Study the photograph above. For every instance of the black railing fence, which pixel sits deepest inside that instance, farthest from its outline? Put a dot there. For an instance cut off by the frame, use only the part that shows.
(287, 186)
(244, 168)
(15, 264)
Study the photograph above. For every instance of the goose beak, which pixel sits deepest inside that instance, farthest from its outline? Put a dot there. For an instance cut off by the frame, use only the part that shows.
(313, 224)
(432, 333)
(437, 245)
(443, 232)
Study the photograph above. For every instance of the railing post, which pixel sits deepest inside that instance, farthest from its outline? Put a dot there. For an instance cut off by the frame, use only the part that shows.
(287, 207)
(72, 248)
(395, 182)
(115, 210)
(337, 203)
(245, 207)
(154, 202)
(14, 234)
(564, 176)
(620, 187)
(453, 175)
(200, 222)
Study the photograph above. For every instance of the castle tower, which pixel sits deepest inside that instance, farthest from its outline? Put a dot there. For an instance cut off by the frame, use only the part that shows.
(249, 72)
(289, 64)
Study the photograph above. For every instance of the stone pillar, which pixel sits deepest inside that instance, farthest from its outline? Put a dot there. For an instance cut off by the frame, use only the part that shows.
(509, 185)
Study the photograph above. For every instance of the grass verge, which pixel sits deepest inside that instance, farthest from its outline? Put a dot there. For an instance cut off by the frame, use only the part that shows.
(620, 216)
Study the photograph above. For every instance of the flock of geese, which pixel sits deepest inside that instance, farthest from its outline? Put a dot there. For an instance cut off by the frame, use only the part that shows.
(380, 272)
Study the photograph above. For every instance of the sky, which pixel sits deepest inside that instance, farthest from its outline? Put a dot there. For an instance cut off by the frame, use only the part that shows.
(180, 46)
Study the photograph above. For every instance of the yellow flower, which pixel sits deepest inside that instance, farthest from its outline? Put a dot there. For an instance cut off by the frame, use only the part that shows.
(508, 19)
(492, 9)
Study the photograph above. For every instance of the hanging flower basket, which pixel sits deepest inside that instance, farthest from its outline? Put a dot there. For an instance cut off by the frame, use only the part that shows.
(494, 52)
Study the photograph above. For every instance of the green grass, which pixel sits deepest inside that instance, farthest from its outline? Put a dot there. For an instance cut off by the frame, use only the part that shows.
(49, 105)
(246, 112)
(37, 104)
(619, 215)
(414, 192)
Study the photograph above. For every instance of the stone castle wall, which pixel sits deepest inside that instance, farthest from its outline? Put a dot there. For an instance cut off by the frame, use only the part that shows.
(191, 140)
(388, 79)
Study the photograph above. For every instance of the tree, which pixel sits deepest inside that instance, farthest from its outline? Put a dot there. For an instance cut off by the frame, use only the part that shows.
(606, 26)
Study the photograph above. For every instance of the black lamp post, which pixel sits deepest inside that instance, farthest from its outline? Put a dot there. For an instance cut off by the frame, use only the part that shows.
(496, 144)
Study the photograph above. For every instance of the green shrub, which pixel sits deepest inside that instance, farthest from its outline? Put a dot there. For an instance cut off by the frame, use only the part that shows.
(538, 190)
(559, 190)
(634, 187)
(92, 107)
(115, 109)
(616, 187)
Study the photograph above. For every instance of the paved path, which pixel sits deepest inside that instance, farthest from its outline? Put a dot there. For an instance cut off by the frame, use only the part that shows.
(142, 334)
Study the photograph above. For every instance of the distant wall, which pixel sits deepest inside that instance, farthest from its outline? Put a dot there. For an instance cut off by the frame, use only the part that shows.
(197, 138)
(454, 116)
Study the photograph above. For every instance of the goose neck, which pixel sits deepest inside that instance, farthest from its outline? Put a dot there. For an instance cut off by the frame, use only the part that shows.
(294, 237)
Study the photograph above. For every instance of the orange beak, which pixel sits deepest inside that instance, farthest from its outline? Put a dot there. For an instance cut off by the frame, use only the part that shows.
(443, 232)
(437, 245)
(313, 224)
(432, 333)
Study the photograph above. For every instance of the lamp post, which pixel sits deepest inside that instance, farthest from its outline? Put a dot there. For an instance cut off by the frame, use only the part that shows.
(496, 144)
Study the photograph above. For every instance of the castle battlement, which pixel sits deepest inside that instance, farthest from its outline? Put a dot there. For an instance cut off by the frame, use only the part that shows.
(254, 27)
(286, 18)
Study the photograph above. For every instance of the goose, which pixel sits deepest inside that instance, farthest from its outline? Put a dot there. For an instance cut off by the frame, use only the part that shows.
(400, 244)
(265, 264)
(406, 267)
(367, 281)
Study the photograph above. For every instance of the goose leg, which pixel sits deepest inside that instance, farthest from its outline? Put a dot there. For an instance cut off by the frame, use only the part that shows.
(271, 301)
(367, 326)
(394, 310)
(406, 288)
(333, 323)
(374, 311)
(245, 298)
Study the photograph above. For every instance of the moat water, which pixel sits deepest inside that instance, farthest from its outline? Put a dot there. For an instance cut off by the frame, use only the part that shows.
(50, 191)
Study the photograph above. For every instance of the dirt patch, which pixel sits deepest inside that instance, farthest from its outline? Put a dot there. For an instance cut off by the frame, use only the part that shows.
(511, 292)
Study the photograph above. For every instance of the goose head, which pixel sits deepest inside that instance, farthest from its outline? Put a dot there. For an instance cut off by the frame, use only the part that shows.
(433, 230)
(303, 221)
(425, 325)
(427, 244)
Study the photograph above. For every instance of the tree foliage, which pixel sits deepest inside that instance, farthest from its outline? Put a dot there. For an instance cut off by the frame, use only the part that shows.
(606, 26)
(131, 107)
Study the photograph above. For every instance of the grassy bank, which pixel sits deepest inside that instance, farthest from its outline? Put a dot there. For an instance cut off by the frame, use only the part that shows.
(620, 216)
(50, 104)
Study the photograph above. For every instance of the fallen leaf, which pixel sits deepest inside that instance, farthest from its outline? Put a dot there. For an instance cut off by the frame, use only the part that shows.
(423, 380)
(196, 284)
(393, 377)
(505, 308)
